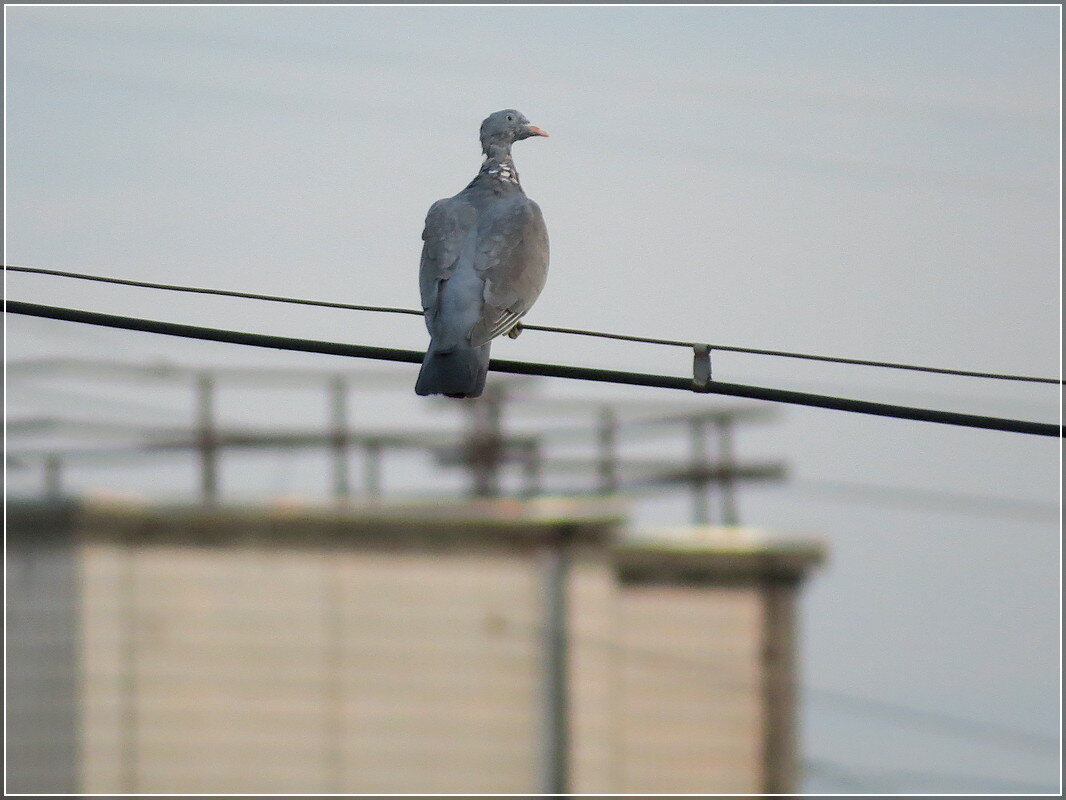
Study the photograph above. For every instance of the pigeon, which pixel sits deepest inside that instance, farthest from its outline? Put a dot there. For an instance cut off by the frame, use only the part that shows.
(484, 263)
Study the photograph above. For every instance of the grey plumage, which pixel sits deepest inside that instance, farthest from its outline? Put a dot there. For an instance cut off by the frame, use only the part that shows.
(484, 262)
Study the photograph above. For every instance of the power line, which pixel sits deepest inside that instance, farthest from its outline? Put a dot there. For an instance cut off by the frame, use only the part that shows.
(842, 775)
(543, 328)
(921, 718)
(874, 780)
(543, 370)
(220, 292)
(66, 395)
(931, 499)
(857, 705)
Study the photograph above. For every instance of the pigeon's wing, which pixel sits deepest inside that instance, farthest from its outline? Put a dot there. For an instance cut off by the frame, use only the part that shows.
(512, 257)
(447, 224)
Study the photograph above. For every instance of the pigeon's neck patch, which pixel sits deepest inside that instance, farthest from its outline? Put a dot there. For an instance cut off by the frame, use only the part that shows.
(501, 169)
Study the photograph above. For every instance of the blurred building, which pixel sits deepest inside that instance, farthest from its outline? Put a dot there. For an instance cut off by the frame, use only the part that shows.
(492, 647)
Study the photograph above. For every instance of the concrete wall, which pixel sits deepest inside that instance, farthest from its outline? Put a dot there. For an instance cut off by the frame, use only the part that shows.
(242, 652)
(258, 670)
(42, 602)
(690, 695)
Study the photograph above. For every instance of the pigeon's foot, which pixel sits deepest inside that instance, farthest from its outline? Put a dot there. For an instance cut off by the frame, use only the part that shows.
(513, 333)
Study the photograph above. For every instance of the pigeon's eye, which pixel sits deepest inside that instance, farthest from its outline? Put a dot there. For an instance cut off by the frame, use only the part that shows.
(510, 118)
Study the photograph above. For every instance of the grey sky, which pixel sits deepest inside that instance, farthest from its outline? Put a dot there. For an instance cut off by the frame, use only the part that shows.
(870, 182)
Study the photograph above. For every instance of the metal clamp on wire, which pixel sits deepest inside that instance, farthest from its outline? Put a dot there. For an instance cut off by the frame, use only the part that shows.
(701, 367)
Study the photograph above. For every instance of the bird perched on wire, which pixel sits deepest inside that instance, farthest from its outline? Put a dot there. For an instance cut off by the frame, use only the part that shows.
(484, 262)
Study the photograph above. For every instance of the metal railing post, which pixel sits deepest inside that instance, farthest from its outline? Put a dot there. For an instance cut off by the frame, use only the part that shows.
(608, 445)
(727, 455)
(205, 391)
(700, 464)
(555, 717)
(338, 411)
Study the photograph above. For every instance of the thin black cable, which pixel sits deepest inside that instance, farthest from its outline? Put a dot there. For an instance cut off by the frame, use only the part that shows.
(884, 710)
(858, 705)
(220, 292)
(543, 370)
(879, 781)
(899, 713)
(82, 397)
(930, 499)
(543, 328)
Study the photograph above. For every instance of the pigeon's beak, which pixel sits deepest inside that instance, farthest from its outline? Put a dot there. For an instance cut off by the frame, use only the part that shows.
(533, 130)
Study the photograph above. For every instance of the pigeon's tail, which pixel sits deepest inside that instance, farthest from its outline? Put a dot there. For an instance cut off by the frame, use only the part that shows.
(459, 372)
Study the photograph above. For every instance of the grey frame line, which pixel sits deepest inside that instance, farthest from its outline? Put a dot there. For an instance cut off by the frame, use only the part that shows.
(541, 328)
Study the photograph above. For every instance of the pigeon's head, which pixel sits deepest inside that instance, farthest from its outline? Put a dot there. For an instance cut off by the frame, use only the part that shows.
(502, 129)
